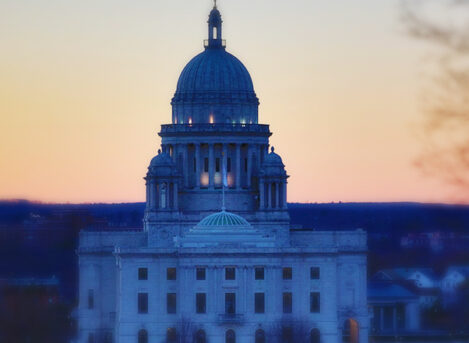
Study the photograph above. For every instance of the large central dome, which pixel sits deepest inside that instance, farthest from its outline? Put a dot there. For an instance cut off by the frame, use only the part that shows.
(215, 87)
(215, 70)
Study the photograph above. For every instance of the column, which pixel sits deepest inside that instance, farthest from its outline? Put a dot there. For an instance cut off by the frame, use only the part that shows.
(269, 195)
(284, 185)
(248, 176)
(260, 148)
(238, 166)
(211, 162)
(197, 165)
(277, 194)
(148, 194)
(245, 294)
(175, 196)
(261, 194)
(185, 162)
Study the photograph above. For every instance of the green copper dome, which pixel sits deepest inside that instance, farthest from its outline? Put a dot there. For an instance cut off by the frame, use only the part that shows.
(223, 219)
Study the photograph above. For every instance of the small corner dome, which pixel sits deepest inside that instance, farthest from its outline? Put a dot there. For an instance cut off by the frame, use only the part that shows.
(223, 219)
(273, 159)
(161, 160)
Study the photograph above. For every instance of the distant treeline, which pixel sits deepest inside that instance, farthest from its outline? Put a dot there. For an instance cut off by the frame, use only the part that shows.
(40, 240)
(372, 217)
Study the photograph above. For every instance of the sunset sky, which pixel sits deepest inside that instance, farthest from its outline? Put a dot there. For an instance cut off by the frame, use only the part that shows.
(85, 86)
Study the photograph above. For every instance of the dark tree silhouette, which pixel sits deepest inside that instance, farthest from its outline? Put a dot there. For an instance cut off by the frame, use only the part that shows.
(289, 330)
(445, 129)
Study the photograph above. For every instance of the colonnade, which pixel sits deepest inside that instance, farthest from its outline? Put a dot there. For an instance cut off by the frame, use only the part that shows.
(273, 194)
(201, 164)
(162, 194)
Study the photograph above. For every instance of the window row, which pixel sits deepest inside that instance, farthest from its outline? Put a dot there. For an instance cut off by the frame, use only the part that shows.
(230, 273)
(230, 303)
(287, 334)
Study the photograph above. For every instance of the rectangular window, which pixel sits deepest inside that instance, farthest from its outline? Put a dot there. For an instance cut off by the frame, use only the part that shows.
(142, 302)
(230, 273)
(287, 273)
(228, 165)
(200, 302)
(245, 165)
(217, 164)
(259, 303)
(90, 299)
(195, 164)
(314, 273)
(314, 302)
(142, 273)
(287, 302)
(200, 274)
(206, 164)
(230, 303)
(171, 274)
(171, 303)
(259, 273)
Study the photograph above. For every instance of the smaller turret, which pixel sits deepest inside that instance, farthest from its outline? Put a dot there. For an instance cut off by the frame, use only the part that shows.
(162, 181)
(272, 183)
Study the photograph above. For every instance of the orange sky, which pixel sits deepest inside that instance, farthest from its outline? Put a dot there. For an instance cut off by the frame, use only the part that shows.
(85, 86)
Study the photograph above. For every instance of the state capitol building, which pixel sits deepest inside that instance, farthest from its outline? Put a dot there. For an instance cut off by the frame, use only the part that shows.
(217, 260)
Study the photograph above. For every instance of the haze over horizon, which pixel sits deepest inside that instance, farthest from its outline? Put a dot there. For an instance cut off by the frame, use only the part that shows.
(85, 86)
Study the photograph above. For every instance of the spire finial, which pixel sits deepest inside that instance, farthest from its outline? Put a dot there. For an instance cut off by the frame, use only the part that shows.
(214, 3)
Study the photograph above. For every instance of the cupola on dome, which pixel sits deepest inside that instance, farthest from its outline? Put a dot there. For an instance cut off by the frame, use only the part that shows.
(215, 87)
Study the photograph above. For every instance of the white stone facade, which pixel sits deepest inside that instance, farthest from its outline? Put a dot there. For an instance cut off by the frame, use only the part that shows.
(251, 277)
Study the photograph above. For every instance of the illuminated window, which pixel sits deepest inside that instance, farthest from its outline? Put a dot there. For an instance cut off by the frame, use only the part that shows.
(211, 119)
(190, 121)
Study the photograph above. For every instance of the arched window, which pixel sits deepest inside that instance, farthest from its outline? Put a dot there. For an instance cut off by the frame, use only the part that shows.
(171, 335)
(287, 334)
(215, 33)
(260, 336)
(200, 336)
(315, 336)
(230, 336)
(350, 332)
(143, 336)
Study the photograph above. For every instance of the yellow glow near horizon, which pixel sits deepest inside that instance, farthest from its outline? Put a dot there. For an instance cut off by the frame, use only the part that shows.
(85, 86)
